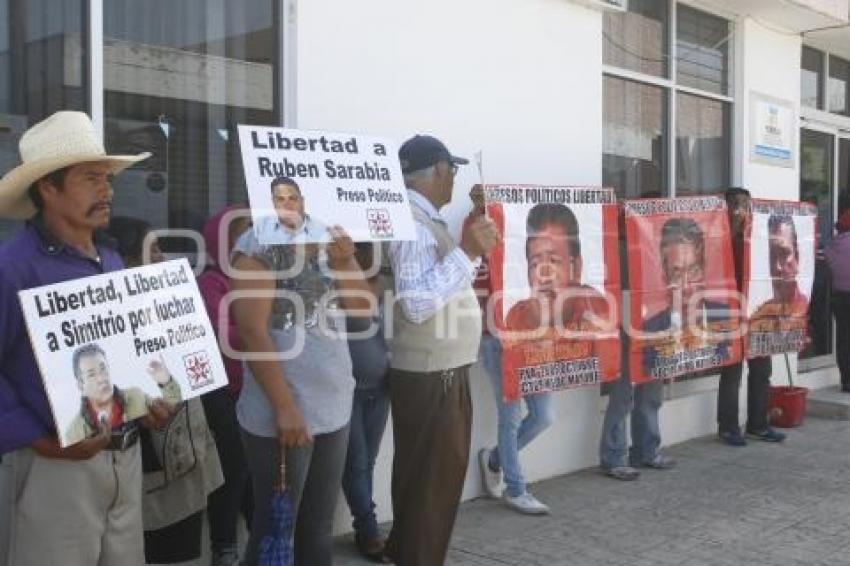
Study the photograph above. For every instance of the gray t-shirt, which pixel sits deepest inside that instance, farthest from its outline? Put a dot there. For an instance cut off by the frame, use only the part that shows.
(309, 330)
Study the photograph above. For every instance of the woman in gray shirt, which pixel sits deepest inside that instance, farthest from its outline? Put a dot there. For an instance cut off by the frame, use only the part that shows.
(298, 384)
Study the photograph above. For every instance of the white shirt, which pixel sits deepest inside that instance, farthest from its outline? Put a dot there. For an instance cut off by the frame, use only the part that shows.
(423, 283)
(270, 230)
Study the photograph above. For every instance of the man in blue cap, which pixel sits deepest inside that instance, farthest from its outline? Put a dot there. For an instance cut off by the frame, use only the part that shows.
(436, 334)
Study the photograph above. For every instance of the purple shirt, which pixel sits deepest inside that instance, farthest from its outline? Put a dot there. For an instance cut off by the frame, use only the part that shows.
(32, 258)
(837, 255)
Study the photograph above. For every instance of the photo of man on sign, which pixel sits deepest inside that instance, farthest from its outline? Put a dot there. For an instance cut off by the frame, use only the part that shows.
(780, 254)
(557, 281)
(784, 257)
(290, 223)
(689, 321)
(558, 299)
(685, 304)
(104, 404)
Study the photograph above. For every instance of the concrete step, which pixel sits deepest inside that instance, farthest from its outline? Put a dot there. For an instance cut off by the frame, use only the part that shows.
(829, 403)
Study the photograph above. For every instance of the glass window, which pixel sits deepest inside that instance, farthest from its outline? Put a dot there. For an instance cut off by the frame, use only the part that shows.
(634, 139)
(839, 81)
(816, 186)
(702, 145)
(638, 39)
(703, 46)
(811, 78)
(178, 86)
(42, 69)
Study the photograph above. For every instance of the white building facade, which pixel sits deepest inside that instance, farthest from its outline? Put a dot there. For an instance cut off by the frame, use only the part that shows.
(652, 97)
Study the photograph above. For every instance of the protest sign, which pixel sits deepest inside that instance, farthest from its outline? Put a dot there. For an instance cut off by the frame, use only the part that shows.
(350, 180)
(685, 308)
(779, 270)
(555, 280)
(109, 344)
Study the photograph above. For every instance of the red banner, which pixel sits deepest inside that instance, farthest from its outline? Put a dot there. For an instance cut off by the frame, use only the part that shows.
(779, 269)
(556, 286)
(685, 308)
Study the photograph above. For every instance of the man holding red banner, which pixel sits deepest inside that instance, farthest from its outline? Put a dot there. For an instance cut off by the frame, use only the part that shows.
(682, 251)
(759, 368)
(558, 302)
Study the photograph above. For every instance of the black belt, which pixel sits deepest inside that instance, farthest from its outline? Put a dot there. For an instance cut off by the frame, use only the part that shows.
(123, 439)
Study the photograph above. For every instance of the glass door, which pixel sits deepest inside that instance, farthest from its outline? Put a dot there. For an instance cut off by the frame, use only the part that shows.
(819, 175)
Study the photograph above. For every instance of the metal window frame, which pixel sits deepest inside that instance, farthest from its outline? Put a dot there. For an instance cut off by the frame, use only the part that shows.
(95, 64)
(286, 108)
(837, 127)
(669, 84)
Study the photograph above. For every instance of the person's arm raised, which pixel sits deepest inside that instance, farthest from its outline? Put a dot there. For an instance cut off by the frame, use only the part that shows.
(355, 292)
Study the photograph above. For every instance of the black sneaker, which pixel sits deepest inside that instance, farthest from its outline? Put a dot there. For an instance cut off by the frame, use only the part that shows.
(732, 437)
(767, 434)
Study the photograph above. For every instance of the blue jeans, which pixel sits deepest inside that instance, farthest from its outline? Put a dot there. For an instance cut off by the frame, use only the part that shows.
(368, 420)
(644, 402)
(515, 432)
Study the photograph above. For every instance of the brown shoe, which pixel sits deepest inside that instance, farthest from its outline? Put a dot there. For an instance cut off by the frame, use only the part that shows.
(372, 549)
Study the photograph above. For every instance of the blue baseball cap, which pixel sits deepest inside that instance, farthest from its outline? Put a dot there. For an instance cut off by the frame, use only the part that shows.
(420, 152)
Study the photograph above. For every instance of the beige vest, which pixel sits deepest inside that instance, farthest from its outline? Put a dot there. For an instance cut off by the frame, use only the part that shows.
(451, 337)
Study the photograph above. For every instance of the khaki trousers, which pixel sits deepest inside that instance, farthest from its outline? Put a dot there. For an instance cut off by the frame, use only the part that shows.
(79, 513)
(432, 430)
(5, 507)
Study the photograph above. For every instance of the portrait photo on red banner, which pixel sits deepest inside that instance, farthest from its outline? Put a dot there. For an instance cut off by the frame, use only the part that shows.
(685, 307)
(780, 248)
(556, 276)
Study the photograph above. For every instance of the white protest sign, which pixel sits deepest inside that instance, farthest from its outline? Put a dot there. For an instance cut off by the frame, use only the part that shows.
(108, 345)
(350, 180)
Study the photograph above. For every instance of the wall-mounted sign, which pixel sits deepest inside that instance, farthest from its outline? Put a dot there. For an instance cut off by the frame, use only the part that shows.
(773, 131)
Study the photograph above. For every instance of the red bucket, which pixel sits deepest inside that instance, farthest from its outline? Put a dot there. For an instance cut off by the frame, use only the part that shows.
(787, 405)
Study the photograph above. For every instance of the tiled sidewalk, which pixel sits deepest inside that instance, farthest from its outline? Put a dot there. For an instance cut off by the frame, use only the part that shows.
(762, 504)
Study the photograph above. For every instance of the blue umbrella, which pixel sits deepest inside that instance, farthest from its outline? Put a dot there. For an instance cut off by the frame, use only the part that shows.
(276, 548)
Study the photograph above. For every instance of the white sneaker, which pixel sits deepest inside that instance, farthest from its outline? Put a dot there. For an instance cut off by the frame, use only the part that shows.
(526, 504)
(492, 481)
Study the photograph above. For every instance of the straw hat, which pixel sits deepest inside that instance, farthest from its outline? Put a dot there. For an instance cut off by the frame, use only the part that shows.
(64, 138)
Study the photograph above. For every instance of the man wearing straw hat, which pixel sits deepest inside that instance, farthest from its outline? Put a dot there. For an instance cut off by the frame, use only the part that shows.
(80, 504)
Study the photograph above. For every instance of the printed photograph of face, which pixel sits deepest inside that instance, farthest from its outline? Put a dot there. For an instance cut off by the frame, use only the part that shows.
(101, 402)
(547, 282)
(685, 261)
(289, 222)
(91, 370)
(684, 294)
(682, 252)
(781, 265)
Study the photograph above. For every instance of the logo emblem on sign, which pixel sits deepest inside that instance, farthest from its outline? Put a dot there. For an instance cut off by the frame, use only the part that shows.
(380, 225)
(198, 369)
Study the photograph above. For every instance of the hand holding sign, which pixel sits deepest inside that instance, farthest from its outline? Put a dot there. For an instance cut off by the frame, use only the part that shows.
(48, 447)
(159, 414)
(341, 249)
(480, 237)
(476, 195)
(158, 371)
